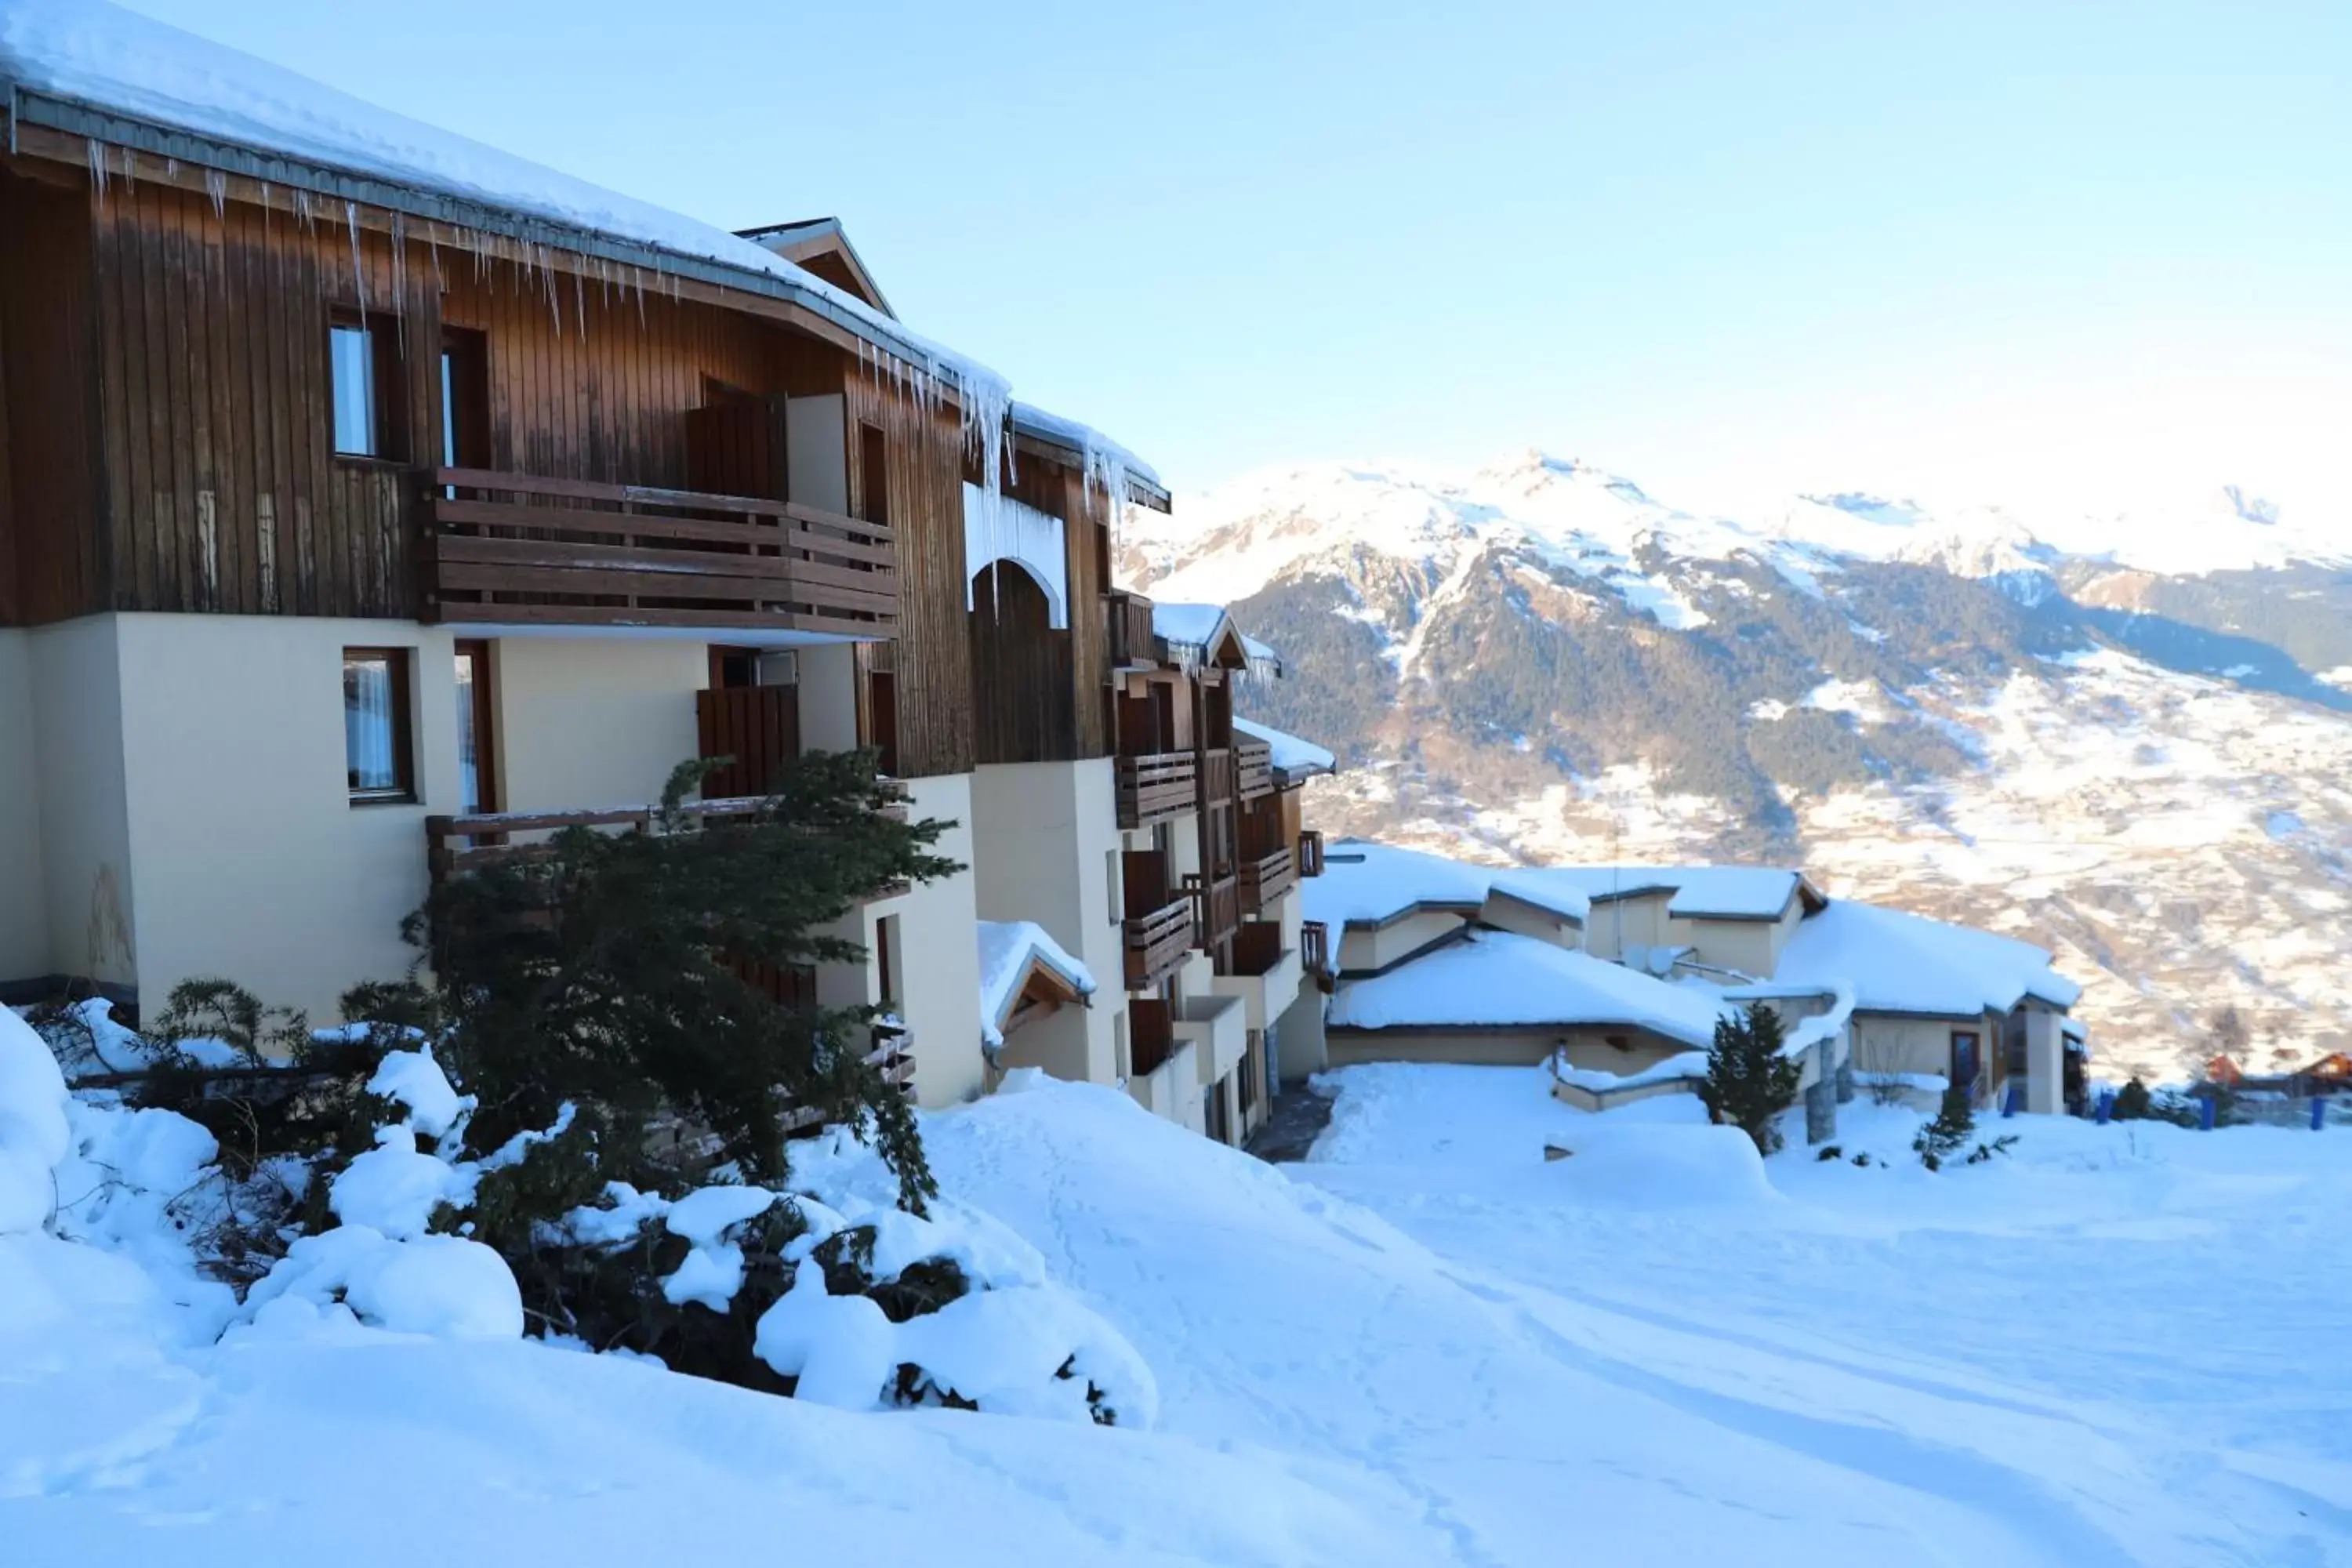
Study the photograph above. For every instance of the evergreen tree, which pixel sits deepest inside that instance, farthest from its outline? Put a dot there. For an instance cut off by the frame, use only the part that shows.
(1749, 1083)
(2133, 1103)
(1950, 1132)
(609, 973)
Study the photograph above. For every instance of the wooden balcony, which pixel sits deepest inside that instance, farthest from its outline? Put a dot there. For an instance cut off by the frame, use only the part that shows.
(1253, 768)
(1132, 641)
(1156, 788)
(1216, 776)
(1150, 1036)
(1157, 940)
(1257, 949)
(1266, 879)
(1315, 952)
(511, 549)
(1310, 851)
(1217, 907)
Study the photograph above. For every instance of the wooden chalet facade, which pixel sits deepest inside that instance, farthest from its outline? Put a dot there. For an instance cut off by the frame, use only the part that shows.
(312, 468)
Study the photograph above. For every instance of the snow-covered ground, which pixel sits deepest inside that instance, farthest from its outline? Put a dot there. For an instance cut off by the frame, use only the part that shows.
(1428, 1345)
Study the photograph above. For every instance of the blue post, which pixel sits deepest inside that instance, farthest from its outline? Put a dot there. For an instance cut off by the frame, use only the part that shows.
(2318, 1111)
(2207, 1108)
(2013, 1101)
(2106, 1105)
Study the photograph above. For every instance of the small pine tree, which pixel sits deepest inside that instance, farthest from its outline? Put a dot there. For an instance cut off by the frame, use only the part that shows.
(2133, 1103)
(609, 973)
(1749, 1083)
(1950, 1132)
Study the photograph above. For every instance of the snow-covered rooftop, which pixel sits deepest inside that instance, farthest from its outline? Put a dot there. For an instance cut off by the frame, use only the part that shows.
(1293, 758)
(1007, 950)
(1500, 979)
(1105, 460)
(1902, 962)
(1698, 892)
(86, 54)
(1368, 884)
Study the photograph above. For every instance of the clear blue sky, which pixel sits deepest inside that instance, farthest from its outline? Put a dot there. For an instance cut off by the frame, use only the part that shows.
(1725, 248)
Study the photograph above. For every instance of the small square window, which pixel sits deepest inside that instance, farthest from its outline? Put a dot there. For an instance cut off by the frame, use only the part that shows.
(378, 759)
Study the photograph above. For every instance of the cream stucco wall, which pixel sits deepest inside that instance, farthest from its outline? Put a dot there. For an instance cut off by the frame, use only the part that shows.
(939, 973)
(1587, 1046)
(1362, 950)
(589, 721)
(1507, 913)
(1891, 1043)
(24, 892)
(1044, 838)
(76, 674)
(1616, 924)
(1744, 945)
(1300, 1048)
(252, 863)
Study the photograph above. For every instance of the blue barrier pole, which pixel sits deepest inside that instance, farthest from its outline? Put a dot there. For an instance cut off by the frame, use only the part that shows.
(2207, 1108)
(2318, 1112)
(2106, 1105)
(2015, 1102)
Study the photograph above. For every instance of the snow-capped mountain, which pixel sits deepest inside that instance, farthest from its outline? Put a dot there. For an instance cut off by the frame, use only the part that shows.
(2130, 737)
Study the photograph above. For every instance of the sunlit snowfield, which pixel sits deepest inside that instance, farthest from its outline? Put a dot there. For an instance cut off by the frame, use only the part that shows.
(1428, 1345)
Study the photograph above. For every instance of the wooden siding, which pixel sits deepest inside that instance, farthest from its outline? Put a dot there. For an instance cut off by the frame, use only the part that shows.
(51, 563)
(922, 464)
(1023, 705)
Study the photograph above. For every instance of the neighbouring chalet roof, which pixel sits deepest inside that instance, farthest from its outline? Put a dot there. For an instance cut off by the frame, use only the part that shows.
(85, 68)
(1295, 761)
(1495, 979)
(1013, 955)
(1696, 892)
(1205, 634)
(1902, 962)
(1108, 466)
(821, 246)
(1366, 884)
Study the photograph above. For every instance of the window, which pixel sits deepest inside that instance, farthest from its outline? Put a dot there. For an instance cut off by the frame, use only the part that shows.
(477, 766)
(886, 964)
(366, 386)
(873, 476)
(377, 757)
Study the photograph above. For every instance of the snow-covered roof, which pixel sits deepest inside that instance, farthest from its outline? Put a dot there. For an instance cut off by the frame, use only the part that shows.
(802, 241)
(1902, 962)
(1503, 980)
(86, 67)
(1294, 760)
(1696, 892)
(1009, 952)
(1108, 467)
(1369, 884)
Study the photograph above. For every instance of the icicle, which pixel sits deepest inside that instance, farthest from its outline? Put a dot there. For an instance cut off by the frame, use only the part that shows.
(400, 279)
(433, 247)
(358, 282)
(216, 187)
(638, 278)
(264, 212)
(579, 300)
(98, 168)
(171, 168)
(129, 170)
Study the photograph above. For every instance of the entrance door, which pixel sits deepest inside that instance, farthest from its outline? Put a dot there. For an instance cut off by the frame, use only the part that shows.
(1967, 1055)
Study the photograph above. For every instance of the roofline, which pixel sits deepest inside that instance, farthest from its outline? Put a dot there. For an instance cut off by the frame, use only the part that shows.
(1141, 491)
(1418, 907)
(1525, 902)
(1587, 1022)
(76, 117)
(829, 227)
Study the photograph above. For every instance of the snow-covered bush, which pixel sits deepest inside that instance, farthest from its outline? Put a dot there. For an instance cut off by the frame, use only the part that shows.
(1749, 1083)
(34, 1131)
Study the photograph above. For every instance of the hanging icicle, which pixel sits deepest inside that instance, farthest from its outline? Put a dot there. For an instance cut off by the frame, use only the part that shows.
(359, 282)
(98, 168)
(579, 297)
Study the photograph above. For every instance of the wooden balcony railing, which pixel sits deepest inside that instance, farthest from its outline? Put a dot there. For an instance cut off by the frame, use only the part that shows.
(1315, 952)
(1253, 768)
(1310, 851)
(1266, 879)
(1150, 1036)
(1155, 788)
(1131, 638)
(1157, 940)
(453, 845)
(1216, 907)
(514, 548)
(893, 1055)
(1217, 776)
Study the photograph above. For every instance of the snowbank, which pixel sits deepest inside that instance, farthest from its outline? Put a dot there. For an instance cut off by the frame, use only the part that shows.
(34, 1131)
(1684, 1065)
